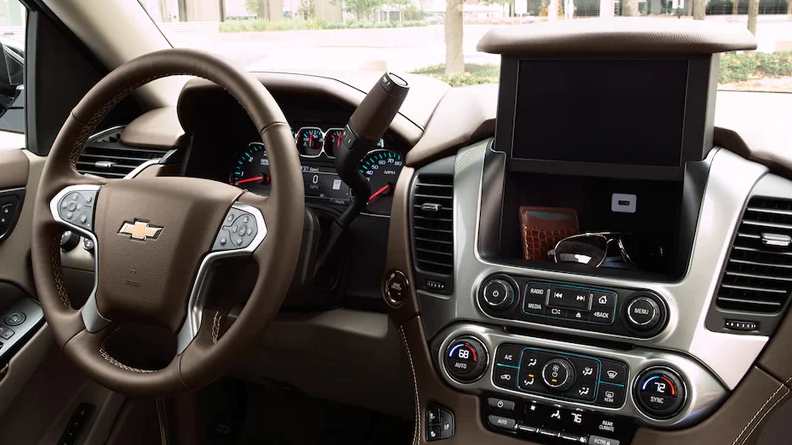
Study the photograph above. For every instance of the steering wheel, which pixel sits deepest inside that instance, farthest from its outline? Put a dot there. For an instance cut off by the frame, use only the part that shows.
(155, 238)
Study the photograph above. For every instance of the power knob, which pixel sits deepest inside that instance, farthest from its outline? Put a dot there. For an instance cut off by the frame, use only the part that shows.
(558, 374)
(498, 294)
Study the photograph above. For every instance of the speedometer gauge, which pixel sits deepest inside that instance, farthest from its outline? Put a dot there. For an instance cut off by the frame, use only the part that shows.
(250, 169)
(381, 169)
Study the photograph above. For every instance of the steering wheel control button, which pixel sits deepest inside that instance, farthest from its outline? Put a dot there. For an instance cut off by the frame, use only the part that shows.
(659, 393)
(558, 374)
(76, 207)
(235, 233)
(569, 298)
(499, 294)
(396, 287)
(643, 313)
(466, 359)
(502, 423)
(88, 244)
(15, 318)
(504, 405)
(69, 240)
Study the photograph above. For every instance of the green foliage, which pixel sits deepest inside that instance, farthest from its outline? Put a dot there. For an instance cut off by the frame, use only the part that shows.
(265, 25)
(741, 67)
(411, 13)
(312, 24)
(474, 74)
(777, 64)
(252, 6)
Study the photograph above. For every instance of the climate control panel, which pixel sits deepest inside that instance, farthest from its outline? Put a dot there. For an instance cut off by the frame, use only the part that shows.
(560, 375)
(628, 312)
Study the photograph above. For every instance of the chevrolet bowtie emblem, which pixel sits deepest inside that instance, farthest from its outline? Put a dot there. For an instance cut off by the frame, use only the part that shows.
(140, 230)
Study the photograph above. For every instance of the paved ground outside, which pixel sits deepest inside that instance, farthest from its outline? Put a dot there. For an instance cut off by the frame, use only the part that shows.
(398, 49)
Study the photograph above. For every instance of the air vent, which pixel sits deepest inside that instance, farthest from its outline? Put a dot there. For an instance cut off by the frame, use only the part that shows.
(106, 156)
(758, 275)
(433, 224)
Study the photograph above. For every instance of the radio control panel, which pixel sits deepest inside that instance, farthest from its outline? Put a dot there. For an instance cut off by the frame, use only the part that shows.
(628, 312)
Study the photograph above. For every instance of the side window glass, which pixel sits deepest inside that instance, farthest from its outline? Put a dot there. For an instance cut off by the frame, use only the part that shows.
(13, 18)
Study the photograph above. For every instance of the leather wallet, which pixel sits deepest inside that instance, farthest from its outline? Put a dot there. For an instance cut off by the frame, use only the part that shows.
(543, 227)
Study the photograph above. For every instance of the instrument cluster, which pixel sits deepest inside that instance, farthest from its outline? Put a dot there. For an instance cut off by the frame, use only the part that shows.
(381, 167)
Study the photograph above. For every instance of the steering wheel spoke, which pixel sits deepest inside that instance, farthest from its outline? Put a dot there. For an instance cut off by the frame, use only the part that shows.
(241, 233)
(75, 208)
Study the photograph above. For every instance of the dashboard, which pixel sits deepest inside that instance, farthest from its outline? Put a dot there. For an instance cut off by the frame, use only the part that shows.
(504, 348)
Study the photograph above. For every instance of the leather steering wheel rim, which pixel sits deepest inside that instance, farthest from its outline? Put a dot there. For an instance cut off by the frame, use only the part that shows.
(112, 204)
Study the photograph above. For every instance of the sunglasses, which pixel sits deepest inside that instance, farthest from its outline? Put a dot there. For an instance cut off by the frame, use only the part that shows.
(592, 249)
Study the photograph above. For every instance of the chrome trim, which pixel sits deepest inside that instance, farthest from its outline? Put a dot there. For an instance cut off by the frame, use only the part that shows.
(195, 304)
(110, 130)
(688, 300)
(142, 167)
(93, 320)
(297, 138)
(704, 391)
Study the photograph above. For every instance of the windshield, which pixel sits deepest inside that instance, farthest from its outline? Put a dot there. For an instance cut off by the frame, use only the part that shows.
(438, 37)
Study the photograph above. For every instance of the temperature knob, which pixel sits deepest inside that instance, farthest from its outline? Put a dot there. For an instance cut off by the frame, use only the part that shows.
(659, 392)
(465, 359)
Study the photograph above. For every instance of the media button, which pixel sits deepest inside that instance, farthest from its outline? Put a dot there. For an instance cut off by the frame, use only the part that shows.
(533, 306)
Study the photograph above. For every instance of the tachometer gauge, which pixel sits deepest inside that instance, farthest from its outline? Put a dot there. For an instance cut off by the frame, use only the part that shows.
(333, 141)
(250, 169)
(381, 169)
(310, 141)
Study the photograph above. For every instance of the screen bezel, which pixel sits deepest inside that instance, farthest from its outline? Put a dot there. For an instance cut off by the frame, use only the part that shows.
(697, 125)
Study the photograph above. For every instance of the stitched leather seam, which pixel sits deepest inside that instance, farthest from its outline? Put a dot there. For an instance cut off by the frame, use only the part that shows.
(417, 432)
(750, 422)
(57, 273)
(759, 422)
(218, 318)
(115, 362)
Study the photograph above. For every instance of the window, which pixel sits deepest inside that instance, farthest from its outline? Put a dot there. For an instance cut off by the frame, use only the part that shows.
(13, 17)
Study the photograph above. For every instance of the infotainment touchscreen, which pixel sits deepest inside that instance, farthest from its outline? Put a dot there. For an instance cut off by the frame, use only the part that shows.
(603, 111)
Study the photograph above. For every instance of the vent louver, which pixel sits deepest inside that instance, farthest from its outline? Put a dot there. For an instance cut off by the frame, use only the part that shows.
(758, 275)
(106, 156)
(433, 227)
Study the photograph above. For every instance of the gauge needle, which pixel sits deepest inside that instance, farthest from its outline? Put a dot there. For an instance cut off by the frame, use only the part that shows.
(379, 192)
(254, 179)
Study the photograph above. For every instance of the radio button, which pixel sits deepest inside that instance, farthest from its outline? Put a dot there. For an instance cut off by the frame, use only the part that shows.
(536, 291)
(565, 297)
